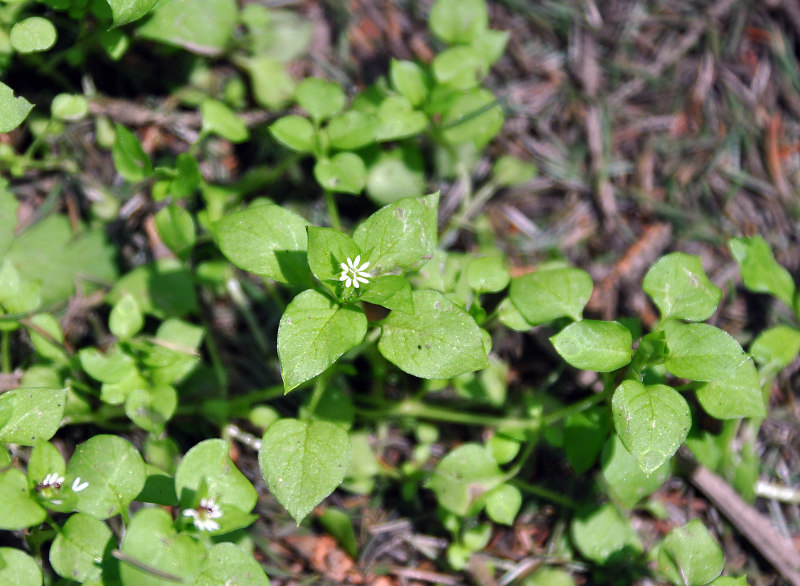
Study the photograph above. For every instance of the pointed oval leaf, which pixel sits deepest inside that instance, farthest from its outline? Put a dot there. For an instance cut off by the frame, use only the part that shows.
(462, 67)
(126, 318)
(475, 116)
(314, 331)
(760, 271)
(351, 130)
(13, 111)
(737, 395)
(151, 408)
(652, 421)
(79, 548)
(219, 119)
(303, 462)
(584, 435)
(111, 367)
(458, 21)
(200, 26)
(439, 340)
(294, 132)
(327, 250)
(702, 352)
(400, 236)
(463, 479)
(503, 503)
(602, 532)
(487, 274)
(33, 35)
(689, 555)
(680, 288)
(398, 119)
(176, 228)
(776, 347)
(227, 563)
(410, 80)
(266, 240)
(20, 510)
(321, 99)
(589, 344)
(391, 292)
(18, 568)
(114, 470)
(129, 157)
(627, 481)
(549, 294)
(69, 107)
(30, 415)
(342, 173)
(125, 11)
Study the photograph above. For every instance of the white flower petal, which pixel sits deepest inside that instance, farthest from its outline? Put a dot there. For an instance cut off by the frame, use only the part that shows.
(78, 486)
(365, 266)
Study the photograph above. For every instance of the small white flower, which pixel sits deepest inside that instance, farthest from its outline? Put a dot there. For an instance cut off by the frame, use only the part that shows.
(203, 516)
(353, 274)
(78, 486)
(51, 481)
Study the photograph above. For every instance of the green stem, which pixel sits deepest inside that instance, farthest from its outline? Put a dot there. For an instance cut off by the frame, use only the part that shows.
(545, 493)
(243, 304)
(319, 390)
(333, 211)
(5, 351)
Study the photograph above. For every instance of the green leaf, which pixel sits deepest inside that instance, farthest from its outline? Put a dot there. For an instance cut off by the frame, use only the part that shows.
(314, 331)
(8, 202)
(549, 294)
(176, 228)
(397, 119)
(652, 421)
(601, 534)
(475, 116)
(115, 473)
(339, 525)
(327, 250)
(439, 340)
(20, 510)
(294, 132)
(690, 556)
(401, 236)
(395, 174)
(594, 345)
(209, 465)
(342, 173)
(463, 478)
(45, 460)
(776, 347)
(151, 540)
(47, 338)
(17, 295)
(584, 435)
(458, 21)
(760, 271)
(130, 160)
(69, 107)
(33, 35)
(78, 549)
(391, 292)
(151, 408)
(410, 80)
(736, 395)
(351, 130)
(267, 240)
(200, 26)
(702, 352)
(680, 288)
(462, 67)
(628, 483)
(303, 462)
(509, 171)
(30, 414)
(221, 120)
(115, 393)
(126, 318)
(549, 576)
(125, 11)
(272, 85)
(730, 581)
(510, 316)
(227, 563)
(487, 274)
(164, 289)
(503, 504)
(321, 99)
(491, 44)
(188, 178)
(13, 111)
(18, 568)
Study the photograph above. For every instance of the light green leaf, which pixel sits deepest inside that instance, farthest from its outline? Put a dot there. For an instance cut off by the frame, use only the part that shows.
(272, 85)
(18, 568)
(463, 478)
(549, 294)
(314, 331)
(510, 316)
(462, 67)
(342, 173)
(548, 576)
(584, 435)
(17, 295)
(209, 465)
(410, 80)
(151, 540)
(69, 107)
(220, 119)
(267, 240)
(475, 116)
(730, 581)
(652, 421)
(130, 160)
(736, 395)
(400, 236)
(327, 250)
(45, 460)
(491, 44)
(351, 130)
(321, 99)
(776, 347)
(680, 288)
(227, 563)
(125, 11)
(280, 34)
(303, 462)
(200, 26)
(115, 393)
(294, 132)
(760, 271)
(628, 483)
(188, 178)
(78, 550)
(20, 510)
(33, 35)
(338, 524)
(47, 338)
(439, 340)
(8, 202)
(13, 111)
(594, 345)
(509, 171)
(601, 532)
(702, 352)
(30, 414)
(689, 555)
(503, 504)
(397, 119)
(395, 174)
(151, 408)
(126, 318)
(115, 473)
(458, 21)
(487, 274)
(176, 228)
(391, 292)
